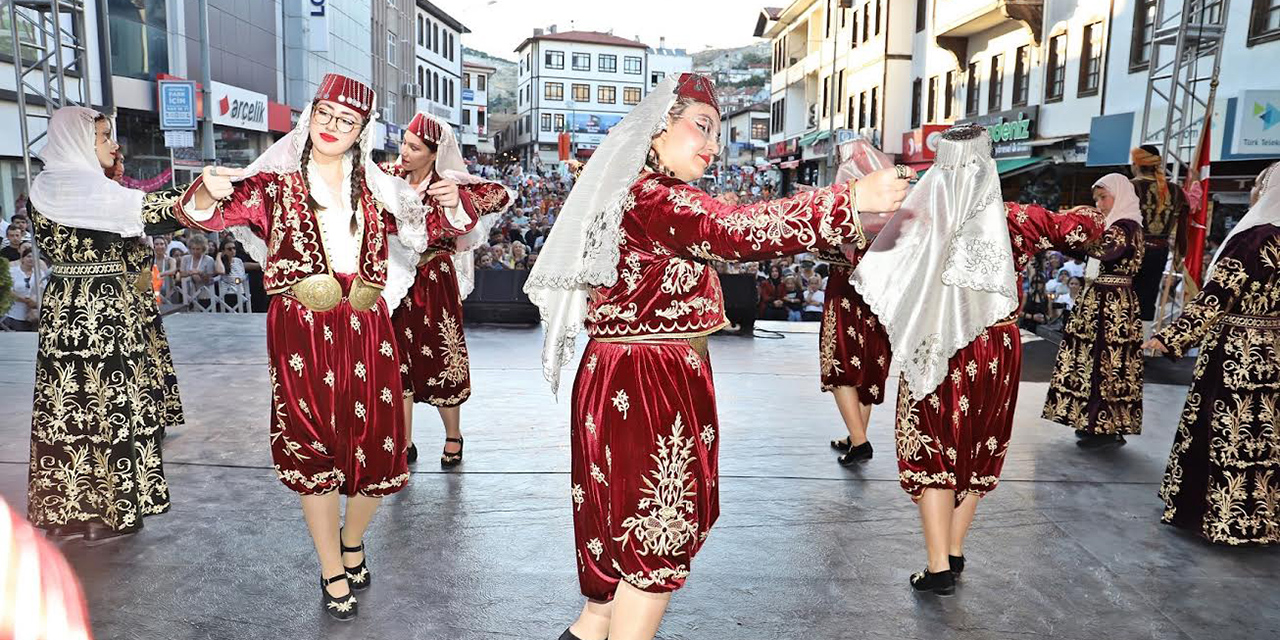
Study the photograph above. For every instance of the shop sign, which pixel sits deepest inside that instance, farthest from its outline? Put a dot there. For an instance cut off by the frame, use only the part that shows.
(318, 23)
(240, 108)
(1011, 131)
(177, 105)
(1257, 129)
(920, 145)
(784, 148)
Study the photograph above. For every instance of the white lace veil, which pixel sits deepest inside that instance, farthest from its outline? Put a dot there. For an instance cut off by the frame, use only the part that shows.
(72, 189)
(582, 250)
(1266, 211)
(858, 157)
(941, 271)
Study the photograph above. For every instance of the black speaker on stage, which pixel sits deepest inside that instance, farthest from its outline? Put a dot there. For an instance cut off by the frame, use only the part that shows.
(499, 298)
(741, 300)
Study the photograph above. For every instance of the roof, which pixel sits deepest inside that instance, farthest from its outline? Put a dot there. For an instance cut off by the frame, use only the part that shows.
(443, 17)
(476, 65)
(767, 15)
(587, 37)
(773, 12)
(668, 52)
(758, 107)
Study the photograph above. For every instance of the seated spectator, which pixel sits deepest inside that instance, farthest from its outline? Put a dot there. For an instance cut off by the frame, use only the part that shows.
(519, 256)
(772, 306)
(196, 271)
(1058, 286)
(813, 299)
(1075, 267)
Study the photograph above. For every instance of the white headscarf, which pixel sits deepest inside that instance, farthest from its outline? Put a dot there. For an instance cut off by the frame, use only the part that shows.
(582, 250)
(1125, 205)
(941, 271)
(1265, 211)
(72, 189)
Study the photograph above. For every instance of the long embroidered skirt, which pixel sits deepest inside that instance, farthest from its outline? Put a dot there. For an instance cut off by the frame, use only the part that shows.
(1223, 478)
(1097, 379)
(95, 456)
(645, 471)
(164, 402)
(434, 364)
(336, 420)
(853, 349)
(956, 437)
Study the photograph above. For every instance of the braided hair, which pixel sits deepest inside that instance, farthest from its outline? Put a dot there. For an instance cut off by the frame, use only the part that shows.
(312, 204)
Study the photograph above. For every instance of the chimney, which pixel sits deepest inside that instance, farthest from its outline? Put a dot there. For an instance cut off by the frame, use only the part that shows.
(537, 32)
(552, 29)
(662, 42)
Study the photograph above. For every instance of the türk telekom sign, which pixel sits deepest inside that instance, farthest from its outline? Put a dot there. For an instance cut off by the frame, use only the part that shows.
(240, 108)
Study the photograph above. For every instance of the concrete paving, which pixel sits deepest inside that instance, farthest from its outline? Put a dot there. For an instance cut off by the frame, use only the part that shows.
(1069, 546)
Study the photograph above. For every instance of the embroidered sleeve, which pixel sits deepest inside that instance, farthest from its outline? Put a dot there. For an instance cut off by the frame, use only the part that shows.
(692, 223)
(483, 198)
(1033, 229)
(1225, 285)
(158, 211)
(249, 205)
(1113, 243)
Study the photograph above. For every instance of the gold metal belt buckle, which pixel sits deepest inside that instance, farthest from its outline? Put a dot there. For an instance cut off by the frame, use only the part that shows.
(319, 292)
(699, 345)
(363, 295)
(428, 257)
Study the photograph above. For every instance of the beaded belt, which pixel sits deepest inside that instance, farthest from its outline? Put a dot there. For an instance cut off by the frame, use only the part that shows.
(1251, 322)
(88, 269)
(430, 255)
(1123, 281)
(322, 292)
(697, 343)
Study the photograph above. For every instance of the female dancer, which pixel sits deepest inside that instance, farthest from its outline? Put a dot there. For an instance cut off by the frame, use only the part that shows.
(95, 468)
(1221, 480)
(1097, 380)
(335, 375)
(947, 294)
(434, 366)
(634, 236)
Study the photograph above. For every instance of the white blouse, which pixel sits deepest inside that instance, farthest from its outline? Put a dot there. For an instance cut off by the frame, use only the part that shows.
(341, 246)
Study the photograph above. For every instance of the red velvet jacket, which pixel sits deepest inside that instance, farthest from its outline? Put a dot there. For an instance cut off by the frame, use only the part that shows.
(670, 229)
(476, 200)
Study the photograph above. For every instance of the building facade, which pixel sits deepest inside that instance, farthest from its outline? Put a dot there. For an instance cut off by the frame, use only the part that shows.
(438, 62)
(393, 33)
(665, 62)
(578, 82)
(745, 135)
(476, 138)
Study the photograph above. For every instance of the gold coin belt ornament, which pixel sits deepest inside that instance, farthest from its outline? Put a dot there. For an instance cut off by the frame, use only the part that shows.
(319, 292)
(143, 281)
(363, 295)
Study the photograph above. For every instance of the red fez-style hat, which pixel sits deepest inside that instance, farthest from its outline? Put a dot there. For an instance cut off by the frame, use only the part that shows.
(426, 128)
(352, 94)
(699, 88)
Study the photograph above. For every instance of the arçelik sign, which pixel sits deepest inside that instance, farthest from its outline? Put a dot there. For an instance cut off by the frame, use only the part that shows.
(241, 108)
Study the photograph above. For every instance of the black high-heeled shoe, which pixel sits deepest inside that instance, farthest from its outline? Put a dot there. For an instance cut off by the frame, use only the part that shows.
(450, 460)
(568, 635)
(860, 453)
(957, 565)
(412, 454)
(942, 583)
(359, 575)
(340, 608)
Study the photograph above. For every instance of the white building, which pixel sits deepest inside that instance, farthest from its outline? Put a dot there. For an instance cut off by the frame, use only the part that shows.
(476, 136)
(745, 134)
(665, 62)
(438, 58)
(577, 82)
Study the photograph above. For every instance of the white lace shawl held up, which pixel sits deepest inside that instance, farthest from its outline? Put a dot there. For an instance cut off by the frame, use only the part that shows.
(582, 250)
(942, 271)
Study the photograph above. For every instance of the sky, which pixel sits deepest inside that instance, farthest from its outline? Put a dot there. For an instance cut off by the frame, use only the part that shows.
(499, 26)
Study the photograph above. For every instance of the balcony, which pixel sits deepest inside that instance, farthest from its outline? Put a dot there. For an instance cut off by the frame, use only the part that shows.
(955, 21)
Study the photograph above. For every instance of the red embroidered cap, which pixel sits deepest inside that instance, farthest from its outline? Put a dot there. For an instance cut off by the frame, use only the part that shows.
(426, 128)
(353, 94)
(699, 88)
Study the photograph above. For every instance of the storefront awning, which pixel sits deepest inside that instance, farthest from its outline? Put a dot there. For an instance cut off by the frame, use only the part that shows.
(812, 138)
(1006, 167)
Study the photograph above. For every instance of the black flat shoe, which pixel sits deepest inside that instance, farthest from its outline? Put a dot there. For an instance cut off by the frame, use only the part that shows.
(568, 635)
(860, 453)
(343, 608)
(942, 583)
(98, 534)
(450, 460)
(68, 531)
(957, 565)
(359, 575)
(1081, 433)
(1101, 442)
(842, 444)
(412, 453)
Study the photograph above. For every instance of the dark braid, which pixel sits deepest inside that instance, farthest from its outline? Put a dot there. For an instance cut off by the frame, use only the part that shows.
(357, 192)
(312, 204)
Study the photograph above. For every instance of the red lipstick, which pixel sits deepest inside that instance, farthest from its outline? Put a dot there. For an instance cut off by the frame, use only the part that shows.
(328, 138)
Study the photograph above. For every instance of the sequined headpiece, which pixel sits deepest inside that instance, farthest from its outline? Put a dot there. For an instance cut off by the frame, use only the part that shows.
(353, 94)
(426, 128)
(699, 88)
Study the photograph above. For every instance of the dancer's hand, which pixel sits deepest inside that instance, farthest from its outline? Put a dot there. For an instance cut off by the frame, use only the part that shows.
(1155, 346)
(215, 184)
(445, 192)
(883, 191)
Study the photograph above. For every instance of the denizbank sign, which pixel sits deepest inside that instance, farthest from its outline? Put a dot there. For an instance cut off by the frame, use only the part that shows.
(1011, 131)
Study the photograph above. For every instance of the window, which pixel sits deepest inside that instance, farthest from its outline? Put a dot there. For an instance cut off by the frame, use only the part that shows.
(839, 89)
(608, 63)
(435, 86)
(1144, 28)
(875, 108)
(866, 21)
(849, 115)
(420, 82)
(389, 109)
(971, 92)
(466, 117)
(426, 31)
(922, 12)
(826, 94)
(554, 60)
(546, 122)
(453, 92)
(878, 17)
(932, 111)
(581, 62)
(420, 40)
(995, 84)
(391, 49)
(480, 118)
(862, 110)
(631, 95)
(948, 96)
(466, 81)
(553, 91)
(435, 38)
(759, 130)
(1090, 59)
(828, 21)
(775, 116)
(582, 93)
(449, 44)
(854, 43)
(606, 95)
(916, 96)
(656, 77)
(1264, 21)
(631, 65)
(481, 80)
(1056, 70)
(560, 122)
(1021, 75)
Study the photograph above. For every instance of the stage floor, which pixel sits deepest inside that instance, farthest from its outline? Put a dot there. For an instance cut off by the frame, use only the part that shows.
(1069, 546)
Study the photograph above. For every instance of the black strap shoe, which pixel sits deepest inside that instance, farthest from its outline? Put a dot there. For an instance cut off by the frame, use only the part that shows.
(412, 454)
(942, 583)
(860, 453)
(341, 608)
(842, 444)
(957, 565)
(359, 575)
(450, 460)
(101, 534)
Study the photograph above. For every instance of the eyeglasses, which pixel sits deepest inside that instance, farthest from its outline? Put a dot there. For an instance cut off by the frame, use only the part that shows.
(323, 117)
(707, 127)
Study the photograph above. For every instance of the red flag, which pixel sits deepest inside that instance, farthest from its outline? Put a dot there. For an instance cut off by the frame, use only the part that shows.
(1197, 189)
